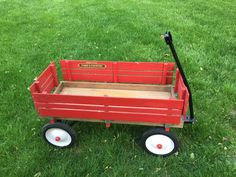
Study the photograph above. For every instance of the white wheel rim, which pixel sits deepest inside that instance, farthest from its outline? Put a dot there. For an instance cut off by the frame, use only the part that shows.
(159, 144)
(58, 137)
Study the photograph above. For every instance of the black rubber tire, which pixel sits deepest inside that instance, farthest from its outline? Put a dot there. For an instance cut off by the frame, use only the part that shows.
(62, 126)
(159, 131)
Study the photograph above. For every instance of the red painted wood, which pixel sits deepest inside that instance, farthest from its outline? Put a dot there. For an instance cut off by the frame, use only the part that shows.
(92, 77)
(186, 103)
(71, 113)
(146, 110)
(69, 106)
(49, 87)
(54, 73)
(170, 73)
(176, 80)
(110, 108)
(115, 72)
(182, 91)
(68, 70)
(119, 72)
(44, 75)
(139, 79)
(88, 71)
(46, 81)
(164, 73)
(75, 63)
(33, 88)
(119, 116)
(126, 72)
(140, 66)
(132, 102)
(140, 73)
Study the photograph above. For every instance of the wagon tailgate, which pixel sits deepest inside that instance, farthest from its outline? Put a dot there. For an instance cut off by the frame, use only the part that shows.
(109, 108)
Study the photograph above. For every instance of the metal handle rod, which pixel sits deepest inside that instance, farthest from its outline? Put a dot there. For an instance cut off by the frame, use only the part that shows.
(168, 39)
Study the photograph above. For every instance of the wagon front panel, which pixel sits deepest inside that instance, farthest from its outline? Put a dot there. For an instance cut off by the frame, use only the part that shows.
(182, 91)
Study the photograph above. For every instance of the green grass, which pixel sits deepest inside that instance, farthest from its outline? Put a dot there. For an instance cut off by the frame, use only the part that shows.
(33, 33)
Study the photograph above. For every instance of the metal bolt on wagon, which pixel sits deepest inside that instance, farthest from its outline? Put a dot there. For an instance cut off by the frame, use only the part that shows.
(142, 93)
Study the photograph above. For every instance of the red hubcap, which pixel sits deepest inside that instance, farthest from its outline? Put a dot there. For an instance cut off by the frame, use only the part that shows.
(57, 138)
(159, 146)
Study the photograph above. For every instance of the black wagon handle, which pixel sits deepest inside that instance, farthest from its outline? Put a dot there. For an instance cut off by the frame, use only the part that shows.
(169, 41)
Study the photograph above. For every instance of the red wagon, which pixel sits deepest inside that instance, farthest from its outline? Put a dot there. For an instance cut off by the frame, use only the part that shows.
(115, 92)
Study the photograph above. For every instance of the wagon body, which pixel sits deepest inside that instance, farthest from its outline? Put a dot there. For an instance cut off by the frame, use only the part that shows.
(143, 93)
(113, 92)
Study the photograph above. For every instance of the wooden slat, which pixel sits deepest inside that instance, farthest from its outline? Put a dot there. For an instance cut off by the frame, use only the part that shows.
(186, 103)
(115, 72)
(139, 73)
(109, 108)
(54, 73)
(69, 106)
(138, 117)
(143, 66)
(95, 78)
(169, 78)
(132, 102)
(69, 113)
(48, 87)
(88, 71)
(44, 75)
(121, 116)
(164, 73)
(139, 79)
(76, 63)
(47, 82)
(145, 110)
(176, 80)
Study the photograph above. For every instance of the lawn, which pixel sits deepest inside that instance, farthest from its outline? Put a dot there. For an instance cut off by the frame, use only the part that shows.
(33, 33)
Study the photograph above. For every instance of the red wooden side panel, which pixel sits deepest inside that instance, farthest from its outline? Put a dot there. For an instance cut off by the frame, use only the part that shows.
(124, 72)
(46, 81)
(109, 108)
(111, 101)
(182, 91)
(79, 70)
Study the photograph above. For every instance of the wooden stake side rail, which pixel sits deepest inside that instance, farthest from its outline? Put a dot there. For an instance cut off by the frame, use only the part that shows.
(106, 108)
(145, 111)
(126, 72)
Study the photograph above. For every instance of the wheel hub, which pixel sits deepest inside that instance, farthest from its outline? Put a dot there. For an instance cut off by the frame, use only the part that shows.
(159, 146)
(57, 138)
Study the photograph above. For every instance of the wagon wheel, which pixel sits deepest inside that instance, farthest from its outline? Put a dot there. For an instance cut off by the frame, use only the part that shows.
(59, 134)
(158, 142)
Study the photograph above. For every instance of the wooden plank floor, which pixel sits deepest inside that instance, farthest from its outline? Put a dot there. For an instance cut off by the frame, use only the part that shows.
(116, 90)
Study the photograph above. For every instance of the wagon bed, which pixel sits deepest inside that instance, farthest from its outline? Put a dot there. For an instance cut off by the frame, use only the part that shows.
(112, 92)
(116, 90)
